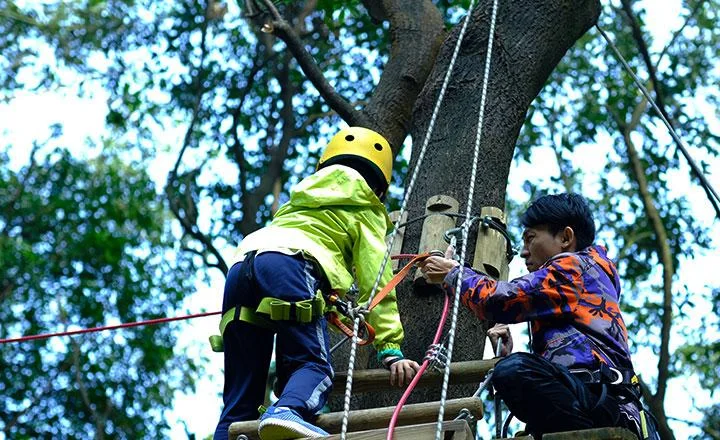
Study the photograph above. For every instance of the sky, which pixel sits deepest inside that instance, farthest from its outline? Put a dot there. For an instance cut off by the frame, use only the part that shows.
(28, 116)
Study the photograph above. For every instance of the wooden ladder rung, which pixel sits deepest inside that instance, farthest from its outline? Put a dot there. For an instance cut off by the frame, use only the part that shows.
(459, 429)
(378, 418)
(378, 379)
(587, 434)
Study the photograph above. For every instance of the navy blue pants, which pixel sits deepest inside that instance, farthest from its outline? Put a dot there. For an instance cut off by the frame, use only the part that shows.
(548, 398)
(302, 354)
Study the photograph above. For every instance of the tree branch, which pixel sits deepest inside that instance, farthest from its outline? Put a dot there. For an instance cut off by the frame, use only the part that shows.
(277, 153)
(238, 149)
(417, 31)
(677, 33)
(9, 206)
(99, 421)
(199, 92)
(191, 228)
(643, 49)
(622, 253)
(283, 30)
(660, 101)
(190, 224)
(664, 254)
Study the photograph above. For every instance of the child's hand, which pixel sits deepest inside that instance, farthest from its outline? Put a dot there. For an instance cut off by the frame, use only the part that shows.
(402, 372)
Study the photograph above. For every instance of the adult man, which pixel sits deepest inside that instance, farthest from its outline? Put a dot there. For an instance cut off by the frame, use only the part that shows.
(580, 374)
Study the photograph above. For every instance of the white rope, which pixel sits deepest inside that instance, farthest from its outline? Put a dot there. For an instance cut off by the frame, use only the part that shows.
(403, 207)
(467, 222)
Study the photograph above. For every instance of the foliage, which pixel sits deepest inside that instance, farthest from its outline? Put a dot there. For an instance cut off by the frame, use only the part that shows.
(252, 126)
(83, 244)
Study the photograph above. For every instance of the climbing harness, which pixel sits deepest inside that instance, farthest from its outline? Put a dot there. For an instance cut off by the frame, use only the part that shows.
(271, 310)
(621, 382)
(606, 375)
(267, 312)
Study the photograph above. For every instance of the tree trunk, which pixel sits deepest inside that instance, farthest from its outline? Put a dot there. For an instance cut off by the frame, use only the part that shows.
(530, 39)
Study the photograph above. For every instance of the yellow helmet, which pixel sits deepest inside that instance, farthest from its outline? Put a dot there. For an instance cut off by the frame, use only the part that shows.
(364, 144)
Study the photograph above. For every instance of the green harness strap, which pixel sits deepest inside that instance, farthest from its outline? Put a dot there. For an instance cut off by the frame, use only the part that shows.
(269, 310)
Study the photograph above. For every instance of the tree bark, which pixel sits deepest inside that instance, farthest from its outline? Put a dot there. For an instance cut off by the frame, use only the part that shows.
(416, 34)
(530, 39)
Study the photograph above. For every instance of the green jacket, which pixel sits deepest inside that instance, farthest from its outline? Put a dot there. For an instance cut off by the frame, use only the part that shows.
(334, 218)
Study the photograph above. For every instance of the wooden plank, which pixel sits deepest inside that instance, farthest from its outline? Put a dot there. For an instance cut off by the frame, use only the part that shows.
(490, 247)
(588, 434)
(399, 237)
(378, 418)
(459, 429)
(378, 379)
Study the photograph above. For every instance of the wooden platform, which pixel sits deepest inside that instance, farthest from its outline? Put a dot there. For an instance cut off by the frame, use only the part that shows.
(378, 418)
(587, 434)
(453, 430)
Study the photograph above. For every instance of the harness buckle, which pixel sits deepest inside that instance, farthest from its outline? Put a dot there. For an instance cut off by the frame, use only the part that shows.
(610, 375)
(583, 374)
(619, 378)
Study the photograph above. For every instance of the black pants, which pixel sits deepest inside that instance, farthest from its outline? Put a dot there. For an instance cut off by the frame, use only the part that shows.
(550, 399)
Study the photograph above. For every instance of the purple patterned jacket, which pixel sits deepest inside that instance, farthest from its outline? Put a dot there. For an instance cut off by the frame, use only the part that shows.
(572, 301)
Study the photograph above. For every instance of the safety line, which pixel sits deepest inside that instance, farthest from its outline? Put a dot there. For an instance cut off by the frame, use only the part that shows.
(136, 323)
(712, 194)
(408, 192)
(426, 363)
(466, 223)
(107, 327)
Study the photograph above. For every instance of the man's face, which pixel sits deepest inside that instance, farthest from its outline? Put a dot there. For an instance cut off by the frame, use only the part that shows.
(539, 245)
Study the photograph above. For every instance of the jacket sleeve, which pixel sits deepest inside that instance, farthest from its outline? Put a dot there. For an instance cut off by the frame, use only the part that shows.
(551, 291)
(368, 252)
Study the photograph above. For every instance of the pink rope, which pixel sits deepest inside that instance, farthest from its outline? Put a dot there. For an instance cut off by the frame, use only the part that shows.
(416, 379)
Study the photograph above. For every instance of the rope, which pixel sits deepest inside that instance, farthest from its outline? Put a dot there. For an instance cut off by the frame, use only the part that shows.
(107, 327)
(138, 323)
(408, 192)
(423, 367)
(466, 224)
(712, 194)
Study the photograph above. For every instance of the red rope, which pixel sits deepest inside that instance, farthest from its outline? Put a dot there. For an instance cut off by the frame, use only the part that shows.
(108, 327)
(138, 323)
(416, 379)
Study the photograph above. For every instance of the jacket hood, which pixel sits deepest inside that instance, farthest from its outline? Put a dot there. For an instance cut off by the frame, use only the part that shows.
(336, 185)
(598, 254)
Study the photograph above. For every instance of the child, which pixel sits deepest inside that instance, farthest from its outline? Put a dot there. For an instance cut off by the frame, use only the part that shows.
(333, 226)
(579, 375)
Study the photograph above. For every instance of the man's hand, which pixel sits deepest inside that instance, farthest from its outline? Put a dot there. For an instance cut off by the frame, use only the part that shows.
(435, 269)
(501, 332)
(402, 372)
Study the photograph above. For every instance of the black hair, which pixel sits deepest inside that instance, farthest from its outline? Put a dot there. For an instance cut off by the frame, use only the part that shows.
(557, 211)
(368, 170)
